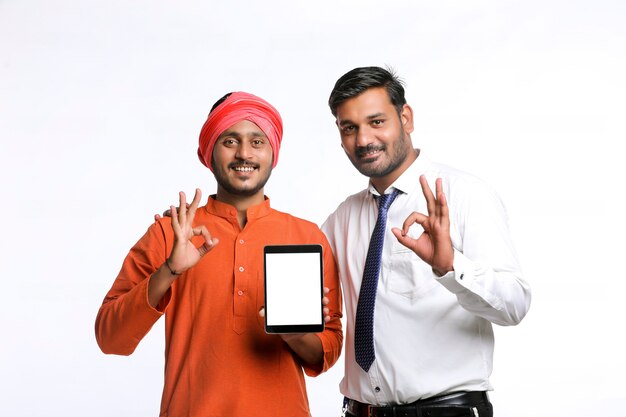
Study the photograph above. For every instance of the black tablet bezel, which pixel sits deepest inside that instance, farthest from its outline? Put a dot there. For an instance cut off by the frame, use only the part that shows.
(296, 327)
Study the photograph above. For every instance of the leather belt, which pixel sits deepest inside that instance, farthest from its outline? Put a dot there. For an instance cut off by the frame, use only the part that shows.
(454, 404)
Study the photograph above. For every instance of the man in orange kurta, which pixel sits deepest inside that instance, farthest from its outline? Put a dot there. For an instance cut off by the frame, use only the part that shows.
(203, 269)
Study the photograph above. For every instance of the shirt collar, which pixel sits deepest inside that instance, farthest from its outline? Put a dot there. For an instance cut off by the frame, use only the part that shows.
(221, 209)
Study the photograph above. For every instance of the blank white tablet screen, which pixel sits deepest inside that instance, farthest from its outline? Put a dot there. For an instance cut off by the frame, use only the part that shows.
(293, 288)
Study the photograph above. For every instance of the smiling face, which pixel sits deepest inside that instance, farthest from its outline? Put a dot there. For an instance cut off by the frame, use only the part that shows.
(375, 137)
(242, 161)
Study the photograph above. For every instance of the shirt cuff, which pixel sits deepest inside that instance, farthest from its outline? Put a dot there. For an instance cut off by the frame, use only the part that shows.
(458, 280)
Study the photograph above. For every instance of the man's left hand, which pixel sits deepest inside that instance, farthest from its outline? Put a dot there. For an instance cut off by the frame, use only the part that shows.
(434, 246)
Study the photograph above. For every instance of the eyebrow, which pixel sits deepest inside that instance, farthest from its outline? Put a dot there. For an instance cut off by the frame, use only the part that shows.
(370, 117)
(238, 135)
(375, 116)
(229, 133)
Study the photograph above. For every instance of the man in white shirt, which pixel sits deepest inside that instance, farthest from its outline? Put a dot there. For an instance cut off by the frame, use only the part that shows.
(448, 268)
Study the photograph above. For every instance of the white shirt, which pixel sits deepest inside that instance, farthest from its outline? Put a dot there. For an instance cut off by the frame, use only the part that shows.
(432, 335)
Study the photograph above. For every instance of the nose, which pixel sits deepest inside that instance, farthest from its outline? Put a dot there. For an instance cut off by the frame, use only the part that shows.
(243, 150)
(363, 136)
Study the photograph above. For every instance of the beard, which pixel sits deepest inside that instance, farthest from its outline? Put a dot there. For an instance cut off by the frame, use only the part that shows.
(245, 188)
(383, 168)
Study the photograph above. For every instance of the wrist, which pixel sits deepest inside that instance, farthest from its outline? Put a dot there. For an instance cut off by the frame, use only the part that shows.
(442, 271)
(169, 268)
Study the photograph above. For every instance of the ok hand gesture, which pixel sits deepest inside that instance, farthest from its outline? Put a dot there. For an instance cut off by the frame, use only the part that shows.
(434, 246)
(184, 253)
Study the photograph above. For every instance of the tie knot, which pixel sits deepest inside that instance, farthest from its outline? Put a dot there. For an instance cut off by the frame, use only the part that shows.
(385, 200)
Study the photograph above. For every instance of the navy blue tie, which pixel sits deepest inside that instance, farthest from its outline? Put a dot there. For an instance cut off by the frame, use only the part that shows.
(364, 322)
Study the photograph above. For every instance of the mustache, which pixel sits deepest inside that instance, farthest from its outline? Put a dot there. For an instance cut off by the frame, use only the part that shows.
(242, 164)
(363, 150)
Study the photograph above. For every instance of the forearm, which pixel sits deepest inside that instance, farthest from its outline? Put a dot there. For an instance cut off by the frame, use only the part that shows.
(487, 277)
(124, 319)
(331, 340)
(160, 283)
(498, 294)
(127, 313)
(307, 346)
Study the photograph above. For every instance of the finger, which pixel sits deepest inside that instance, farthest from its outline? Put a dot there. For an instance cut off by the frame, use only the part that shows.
(326, 300)
(194, 204)
(403, 238)
(157, 217)
(438, 193)
(182, 208)
(428, 194)
(398, 233)
(442, 203)
(262, 311)
(168, 212)
(209, 241)
(412, 218)
(175, 224)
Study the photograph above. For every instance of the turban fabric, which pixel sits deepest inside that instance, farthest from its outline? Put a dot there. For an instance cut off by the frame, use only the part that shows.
(237, 107)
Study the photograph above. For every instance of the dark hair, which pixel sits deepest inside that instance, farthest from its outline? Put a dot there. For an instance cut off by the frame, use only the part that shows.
(355, 82)
(220, 101)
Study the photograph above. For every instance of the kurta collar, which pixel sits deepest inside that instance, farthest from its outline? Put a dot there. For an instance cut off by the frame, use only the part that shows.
(227, 211)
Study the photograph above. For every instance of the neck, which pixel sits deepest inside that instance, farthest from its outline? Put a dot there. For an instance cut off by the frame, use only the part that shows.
(382, 183)
(240, 202)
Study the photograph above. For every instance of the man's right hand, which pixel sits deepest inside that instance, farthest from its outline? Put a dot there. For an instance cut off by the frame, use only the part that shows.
(185, 254)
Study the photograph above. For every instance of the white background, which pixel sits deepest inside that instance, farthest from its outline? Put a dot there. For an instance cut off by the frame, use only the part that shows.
(101, 103)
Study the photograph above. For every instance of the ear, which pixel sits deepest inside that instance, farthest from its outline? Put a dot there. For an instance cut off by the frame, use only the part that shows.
(406, 117)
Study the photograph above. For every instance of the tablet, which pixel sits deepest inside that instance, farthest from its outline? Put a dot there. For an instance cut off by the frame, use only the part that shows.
(294, 279)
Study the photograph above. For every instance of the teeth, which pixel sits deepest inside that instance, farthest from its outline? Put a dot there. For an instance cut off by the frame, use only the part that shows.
(244, 169)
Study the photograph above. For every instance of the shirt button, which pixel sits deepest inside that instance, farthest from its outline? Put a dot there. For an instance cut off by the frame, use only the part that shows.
(241, 269)
(462, 275)
(239, 292)
(377, 389)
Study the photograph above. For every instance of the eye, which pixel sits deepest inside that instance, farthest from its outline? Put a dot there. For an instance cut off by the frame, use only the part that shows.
(377, 122)
(346, 130)
(258, 143)
(228, 142)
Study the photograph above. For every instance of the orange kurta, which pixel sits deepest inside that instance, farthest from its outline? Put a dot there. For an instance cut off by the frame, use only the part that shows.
(218, 359)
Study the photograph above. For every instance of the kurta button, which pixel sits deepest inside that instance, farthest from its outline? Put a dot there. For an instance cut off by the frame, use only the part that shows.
(239, 292)
(241, 241)
(241, 269)
(377, 389)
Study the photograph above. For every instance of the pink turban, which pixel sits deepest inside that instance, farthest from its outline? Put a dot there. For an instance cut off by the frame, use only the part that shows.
(237, 107)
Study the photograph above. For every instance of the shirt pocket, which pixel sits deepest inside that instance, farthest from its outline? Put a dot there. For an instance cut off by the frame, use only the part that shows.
(409, 276)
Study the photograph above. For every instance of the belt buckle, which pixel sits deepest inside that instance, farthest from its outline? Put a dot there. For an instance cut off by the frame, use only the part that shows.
(369, 409)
